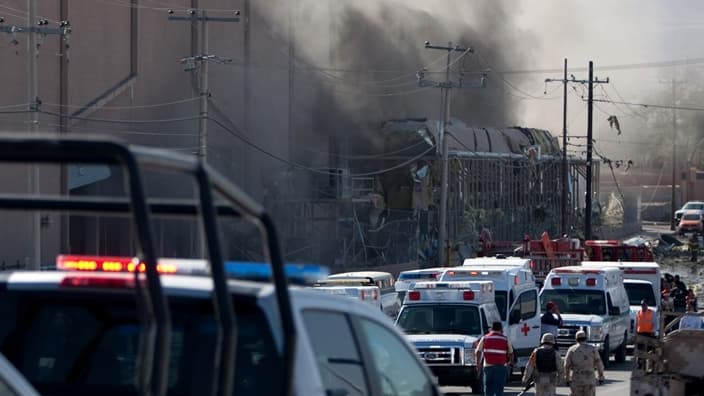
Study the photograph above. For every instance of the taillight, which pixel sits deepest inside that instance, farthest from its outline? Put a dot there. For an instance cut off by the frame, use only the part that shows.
(555, 281)
(516, 280)
(414, 295)
(100, 282)
(591, 282)
(375, 294)
(532, 264)
(468, 295)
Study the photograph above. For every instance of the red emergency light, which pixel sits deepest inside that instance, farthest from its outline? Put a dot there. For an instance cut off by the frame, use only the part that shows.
(414, 295)
(591, 282)
(468, 295)
(516, 280)
(107, 264)
(555, 281)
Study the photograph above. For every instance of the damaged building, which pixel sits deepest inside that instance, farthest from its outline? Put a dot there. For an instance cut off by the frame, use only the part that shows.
(383, 208)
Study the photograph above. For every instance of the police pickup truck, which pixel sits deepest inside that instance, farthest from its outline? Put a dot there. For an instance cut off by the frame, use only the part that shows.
(444, 320)
(115, 325)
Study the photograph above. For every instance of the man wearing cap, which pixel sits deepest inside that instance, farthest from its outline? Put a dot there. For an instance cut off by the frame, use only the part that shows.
(551, 320)
(545, 366)
(580, 362)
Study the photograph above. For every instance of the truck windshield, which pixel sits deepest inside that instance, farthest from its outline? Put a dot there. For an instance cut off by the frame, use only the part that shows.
(576, 301)
(440, 319)
(86, 343)
(638, 292)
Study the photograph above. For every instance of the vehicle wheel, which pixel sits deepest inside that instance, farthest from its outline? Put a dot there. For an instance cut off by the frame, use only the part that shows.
(605, 353)
(620, 356)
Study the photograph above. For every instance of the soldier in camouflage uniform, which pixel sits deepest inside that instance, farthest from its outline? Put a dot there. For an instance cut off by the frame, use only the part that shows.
(580, 361)
(545, 366)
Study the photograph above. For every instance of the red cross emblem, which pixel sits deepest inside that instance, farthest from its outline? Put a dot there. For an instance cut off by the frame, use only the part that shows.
(525, 329)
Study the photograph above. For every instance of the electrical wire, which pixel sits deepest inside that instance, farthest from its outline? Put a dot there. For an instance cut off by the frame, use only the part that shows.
(239, 135)
(132, 107)
(116, 121)
(655, 106)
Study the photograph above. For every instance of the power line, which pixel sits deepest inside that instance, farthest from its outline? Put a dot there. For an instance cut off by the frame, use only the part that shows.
(654, 106)
(239, 135)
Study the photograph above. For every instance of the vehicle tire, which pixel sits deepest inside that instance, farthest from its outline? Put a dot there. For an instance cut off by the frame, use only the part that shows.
(620, 356)
(605, 353)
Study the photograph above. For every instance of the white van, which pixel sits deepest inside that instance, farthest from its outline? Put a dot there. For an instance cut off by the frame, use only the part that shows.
(389, 301)
(642, 281)
(594, 300)
(406, 278)
(445, 320)
(516, 296)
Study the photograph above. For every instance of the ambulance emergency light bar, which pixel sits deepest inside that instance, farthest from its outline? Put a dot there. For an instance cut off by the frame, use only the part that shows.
(254, 271)
(438, 291)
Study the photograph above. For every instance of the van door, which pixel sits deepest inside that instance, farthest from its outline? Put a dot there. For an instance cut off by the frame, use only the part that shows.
(524, 325)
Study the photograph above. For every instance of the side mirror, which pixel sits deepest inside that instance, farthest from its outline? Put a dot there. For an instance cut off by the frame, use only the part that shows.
(514, 318)
(614, 311)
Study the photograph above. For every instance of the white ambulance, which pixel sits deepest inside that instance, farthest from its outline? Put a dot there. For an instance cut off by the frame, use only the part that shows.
(445, 320)
(594, 300)
(516, 296)
(406, 278)
(642, 281)
(390, 303)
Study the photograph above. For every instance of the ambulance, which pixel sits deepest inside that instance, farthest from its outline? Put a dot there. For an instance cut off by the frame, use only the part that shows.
(592, 299)
(389, 301)
(642, 282)
(516, 296)
(350, 288)
(405, 278)
(445, 320)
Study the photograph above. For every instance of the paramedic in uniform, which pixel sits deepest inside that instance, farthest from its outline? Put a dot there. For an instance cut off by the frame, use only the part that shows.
(580, 362)
(497, 352)
(545, 366)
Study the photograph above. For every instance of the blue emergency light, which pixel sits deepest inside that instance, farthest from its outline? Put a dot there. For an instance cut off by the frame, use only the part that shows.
(298, 274)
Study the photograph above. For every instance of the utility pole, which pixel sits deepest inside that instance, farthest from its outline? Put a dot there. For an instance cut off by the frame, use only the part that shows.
(33, 44)
(590, 143)
(192, 62)
(445, 87)
(673, 208)
(590, 109)
(564, 212)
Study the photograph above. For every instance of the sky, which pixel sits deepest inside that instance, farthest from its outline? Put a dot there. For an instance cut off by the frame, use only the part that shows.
(612, 33)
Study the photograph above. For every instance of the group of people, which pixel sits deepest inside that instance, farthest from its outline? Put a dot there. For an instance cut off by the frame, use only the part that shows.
(675, 294)
(545, 368)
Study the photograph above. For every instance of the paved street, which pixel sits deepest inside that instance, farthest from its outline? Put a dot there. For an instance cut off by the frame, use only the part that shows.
(617, 383)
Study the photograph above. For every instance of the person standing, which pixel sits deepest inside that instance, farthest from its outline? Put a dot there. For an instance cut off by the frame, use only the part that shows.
(545, 366)
(580, 362)
(551, 319)
(497, 352)
(645, 320)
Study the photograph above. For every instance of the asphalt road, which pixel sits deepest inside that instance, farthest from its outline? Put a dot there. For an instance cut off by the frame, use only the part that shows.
(617, 383)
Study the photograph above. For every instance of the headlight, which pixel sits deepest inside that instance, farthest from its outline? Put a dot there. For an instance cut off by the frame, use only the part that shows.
(595, 333)
(469, 358)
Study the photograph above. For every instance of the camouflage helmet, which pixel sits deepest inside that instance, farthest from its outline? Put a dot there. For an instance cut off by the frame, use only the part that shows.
(548, 338)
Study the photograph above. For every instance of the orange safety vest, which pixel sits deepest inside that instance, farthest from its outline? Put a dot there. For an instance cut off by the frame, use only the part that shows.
(644, 321)
(495, 348)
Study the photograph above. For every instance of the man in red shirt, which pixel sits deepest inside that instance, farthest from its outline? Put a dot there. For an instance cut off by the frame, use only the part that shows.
(497, 353)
